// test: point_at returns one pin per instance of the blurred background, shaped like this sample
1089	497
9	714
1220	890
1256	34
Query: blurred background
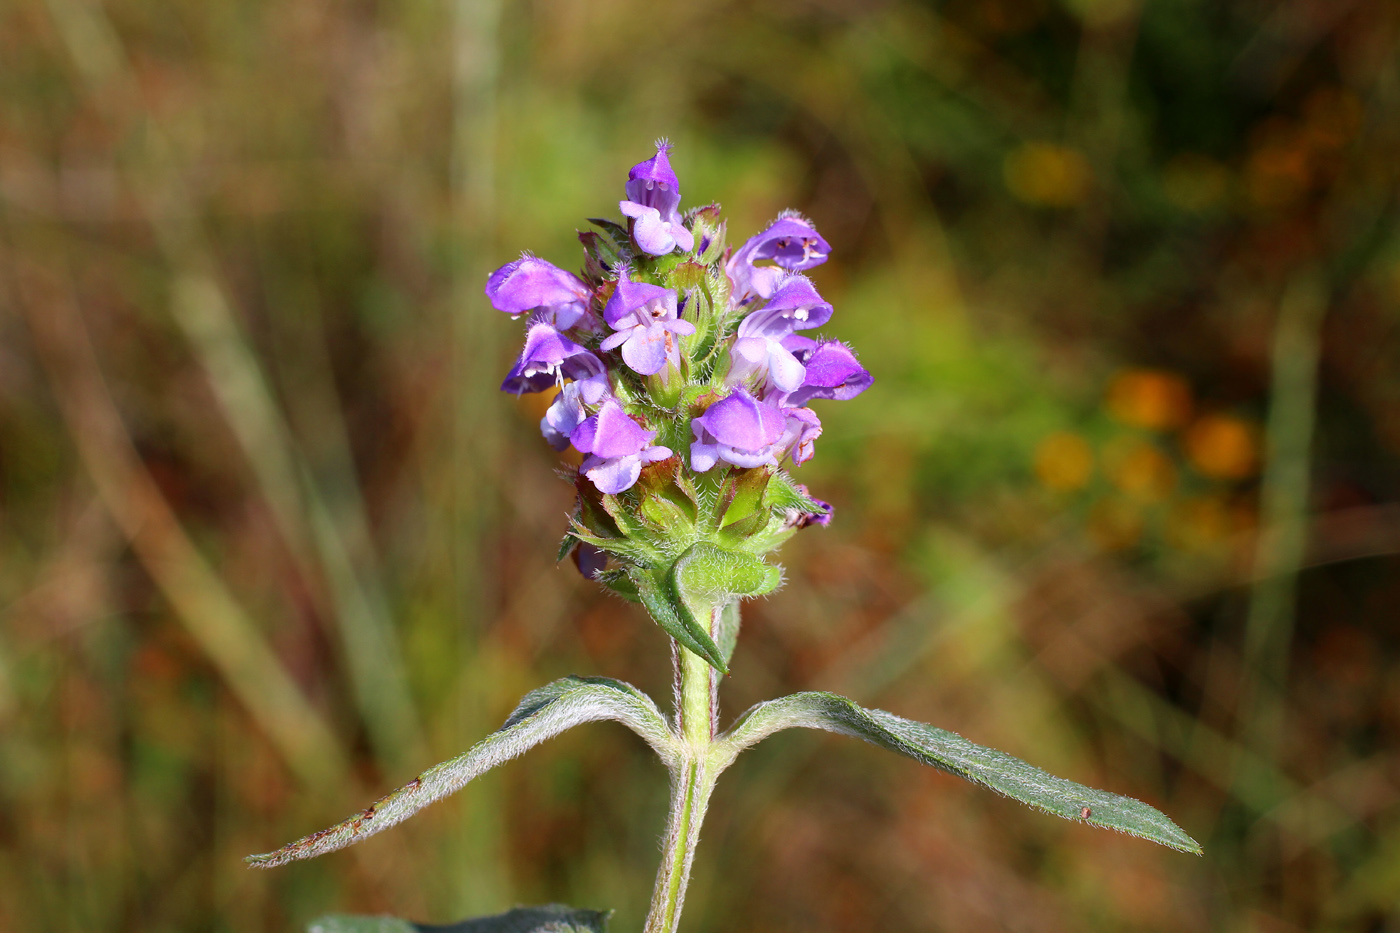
1124	499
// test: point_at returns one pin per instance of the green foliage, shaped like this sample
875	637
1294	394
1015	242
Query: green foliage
952	753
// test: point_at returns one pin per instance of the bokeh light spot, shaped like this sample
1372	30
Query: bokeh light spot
1064	461
1047	175
1140	469
1149	398
1223	447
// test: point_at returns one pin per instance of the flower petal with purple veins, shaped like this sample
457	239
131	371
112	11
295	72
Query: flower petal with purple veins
653	233
645	350
617	445
764	364
531	284
740	420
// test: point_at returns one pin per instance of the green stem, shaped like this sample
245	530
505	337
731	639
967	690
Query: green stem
691	784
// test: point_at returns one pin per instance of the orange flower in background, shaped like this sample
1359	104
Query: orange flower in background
1149	398
1223	447
1064	461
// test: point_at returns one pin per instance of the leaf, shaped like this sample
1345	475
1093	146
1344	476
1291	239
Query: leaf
666	611
706	578
549	919
634	550
783	492
615	231
542	714
953	753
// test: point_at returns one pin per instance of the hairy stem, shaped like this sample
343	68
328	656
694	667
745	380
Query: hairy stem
691	784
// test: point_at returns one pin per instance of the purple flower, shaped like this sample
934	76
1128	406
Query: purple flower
589	560
565	413
832	372
617	445
790	241
653	197
762	355
644	317
796	301
800	434
738	429
530	283
549	358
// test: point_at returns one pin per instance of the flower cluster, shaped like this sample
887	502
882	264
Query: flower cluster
685	373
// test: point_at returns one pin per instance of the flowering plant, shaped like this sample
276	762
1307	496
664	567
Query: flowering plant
684	374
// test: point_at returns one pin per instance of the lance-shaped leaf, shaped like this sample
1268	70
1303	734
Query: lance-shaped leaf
549	919
542	714
956	755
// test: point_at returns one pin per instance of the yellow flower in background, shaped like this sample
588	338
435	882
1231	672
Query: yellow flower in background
1140	469
1149	398
1064	462
1223	447
1047	175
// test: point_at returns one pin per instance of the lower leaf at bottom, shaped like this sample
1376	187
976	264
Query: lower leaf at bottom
552	918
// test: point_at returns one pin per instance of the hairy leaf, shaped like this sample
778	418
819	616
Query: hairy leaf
707	577
666	611
542	714
549	919
956	755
